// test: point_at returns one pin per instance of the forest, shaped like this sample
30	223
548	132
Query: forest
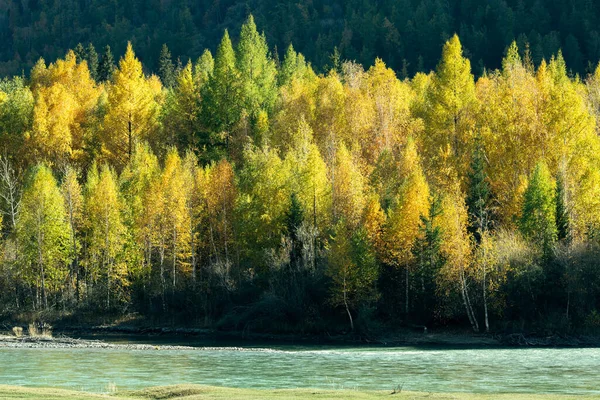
406	34
242	192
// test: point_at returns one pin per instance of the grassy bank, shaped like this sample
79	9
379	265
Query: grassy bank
197	392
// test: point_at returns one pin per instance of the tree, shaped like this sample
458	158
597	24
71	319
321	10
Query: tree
293	67
166	68
348	188
91	57
106	233
204	68
171	227
181	111
257	70
449	116
79	53
43	234
221	107
403	225
16	113
106	67
478	195
538	218
455	248
429	258
73	200
352	268
132	109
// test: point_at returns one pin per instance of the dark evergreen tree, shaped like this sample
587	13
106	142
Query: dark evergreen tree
106	66
79	53
92	59
166	69
478	195
562	210
429	260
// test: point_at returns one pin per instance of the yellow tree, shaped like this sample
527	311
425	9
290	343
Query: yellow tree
403	224
510	126
391	99
220	194
132	109
66	96
449	116
456	249
171	226
106	232
348	188
73	199
137	181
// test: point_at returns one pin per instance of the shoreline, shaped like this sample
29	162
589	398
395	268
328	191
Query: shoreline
187	391
155	338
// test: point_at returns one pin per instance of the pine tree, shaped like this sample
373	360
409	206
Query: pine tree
257	70
203	69
106	66
166	68
428	255
221	106
80	53
92	59
478	196
563	228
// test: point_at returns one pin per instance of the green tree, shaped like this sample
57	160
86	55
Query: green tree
257	70
221	106
479	193
538	216
91	57
106	67
166	68
352	268
43	234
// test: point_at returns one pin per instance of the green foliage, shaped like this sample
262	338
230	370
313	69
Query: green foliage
106	67
166	68
538	218
43	234
479	194
306	191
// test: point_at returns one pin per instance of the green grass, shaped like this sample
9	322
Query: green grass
197	392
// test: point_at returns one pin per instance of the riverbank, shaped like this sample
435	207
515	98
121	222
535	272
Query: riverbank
149	338
136	328
198	392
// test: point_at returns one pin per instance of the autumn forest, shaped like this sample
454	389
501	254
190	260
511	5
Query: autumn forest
242	190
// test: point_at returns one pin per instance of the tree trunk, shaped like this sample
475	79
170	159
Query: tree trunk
406	306
485	306
347	307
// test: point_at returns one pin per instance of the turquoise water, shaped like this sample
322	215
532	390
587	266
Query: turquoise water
574	371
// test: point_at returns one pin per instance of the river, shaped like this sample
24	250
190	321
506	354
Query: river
512	370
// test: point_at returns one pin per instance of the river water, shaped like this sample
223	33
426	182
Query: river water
569	371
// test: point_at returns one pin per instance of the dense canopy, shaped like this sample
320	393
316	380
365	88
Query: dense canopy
244	191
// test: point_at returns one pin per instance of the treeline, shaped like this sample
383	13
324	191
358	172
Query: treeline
406	34
247	193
